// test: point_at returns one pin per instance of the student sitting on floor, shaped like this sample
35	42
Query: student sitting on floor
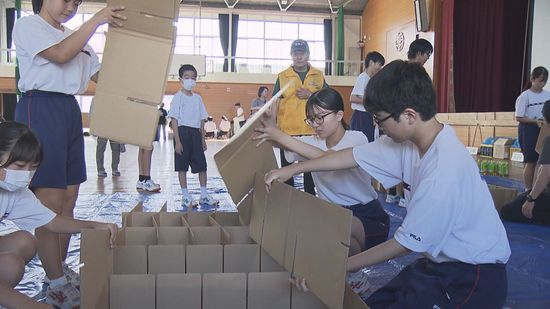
20	155
451	218
210	128
350	188
225	128
534	206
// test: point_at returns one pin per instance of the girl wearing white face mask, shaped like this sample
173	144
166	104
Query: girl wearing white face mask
20	155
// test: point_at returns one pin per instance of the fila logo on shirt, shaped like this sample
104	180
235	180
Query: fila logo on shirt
417	238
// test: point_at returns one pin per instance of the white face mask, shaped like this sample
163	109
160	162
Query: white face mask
16	179
188	84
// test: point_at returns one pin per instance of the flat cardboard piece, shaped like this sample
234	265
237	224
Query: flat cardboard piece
176	291
98	265
173	235
268	264
130	260
268	290
352	300
206	235
140	236
166	259
241	258
165	219
228	218
238	234
257	209
204	259
544	133
166	9
198	218
132	291
225	290
307	300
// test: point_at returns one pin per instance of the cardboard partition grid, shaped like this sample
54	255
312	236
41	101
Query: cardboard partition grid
241	258
174	290
227	290
268	290
132	291
204	259
166	259
137	236
228	219
173	235
130	260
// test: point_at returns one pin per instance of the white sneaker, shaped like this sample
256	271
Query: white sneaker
208	200
188	201
150	186
65	296
402	202
72	276
358	282
139	185
392	199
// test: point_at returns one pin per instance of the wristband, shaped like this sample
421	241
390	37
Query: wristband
529	198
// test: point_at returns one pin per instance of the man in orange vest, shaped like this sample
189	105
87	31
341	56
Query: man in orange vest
291	107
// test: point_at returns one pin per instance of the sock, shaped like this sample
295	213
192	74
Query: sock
184	191
141	178
58	282
146	177
203	191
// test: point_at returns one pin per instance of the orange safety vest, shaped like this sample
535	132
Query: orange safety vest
292	111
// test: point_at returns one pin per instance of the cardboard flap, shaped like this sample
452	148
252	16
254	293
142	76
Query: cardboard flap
165	219
241	258
196	218
154	26
166	259
257	209
226	291
132	291
139	219
204	259
106	120
352	300
238	234
268	290
173	235
227	218
175	290
206	235
131	76
98	266
162	8
140	236
307	300
126	219
130	260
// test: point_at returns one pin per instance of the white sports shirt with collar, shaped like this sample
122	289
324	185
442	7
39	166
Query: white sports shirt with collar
345	187
450	212
32	35
23	209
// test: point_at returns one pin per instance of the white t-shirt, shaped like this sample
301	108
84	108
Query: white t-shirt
529	104
225	125
33	35
343	187
359	89
240	115
189	111
23	209
450	212
210	127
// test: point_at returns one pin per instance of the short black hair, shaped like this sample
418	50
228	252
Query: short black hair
376	57
261	89
422	46
546	111
187	67
238	104
18	143
400	85
328	99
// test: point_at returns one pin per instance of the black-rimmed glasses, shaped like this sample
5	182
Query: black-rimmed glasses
317	119
381	120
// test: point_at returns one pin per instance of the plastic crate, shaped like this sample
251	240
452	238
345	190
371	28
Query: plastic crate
486	151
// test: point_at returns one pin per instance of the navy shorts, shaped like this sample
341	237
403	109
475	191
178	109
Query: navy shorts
56	120
193	153
362	121
425	284
528	134
376	222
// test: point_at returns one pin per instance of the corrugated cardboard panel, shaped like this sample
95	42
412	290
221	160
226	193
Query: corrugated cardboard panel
204	258
206	235
227	291
124	70
132	291
328	230
176	291
98	266
352	300
166	259
169	219
227	218
198	218
139	219
130	260
257	210
239	234
106	121
268	264
268	290
163	8
301	300
140	236
157	27
240	152
173	235
241	258
277	218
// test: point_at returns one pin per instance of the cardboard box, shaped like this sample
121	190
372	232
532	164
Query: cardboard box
544	133
284	231
129	88
501	148
502	196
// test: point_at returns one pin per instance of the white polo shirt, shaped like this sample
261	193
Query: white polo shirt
529	104
23	209
450	212
359	89
33	35
189	111
343	187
